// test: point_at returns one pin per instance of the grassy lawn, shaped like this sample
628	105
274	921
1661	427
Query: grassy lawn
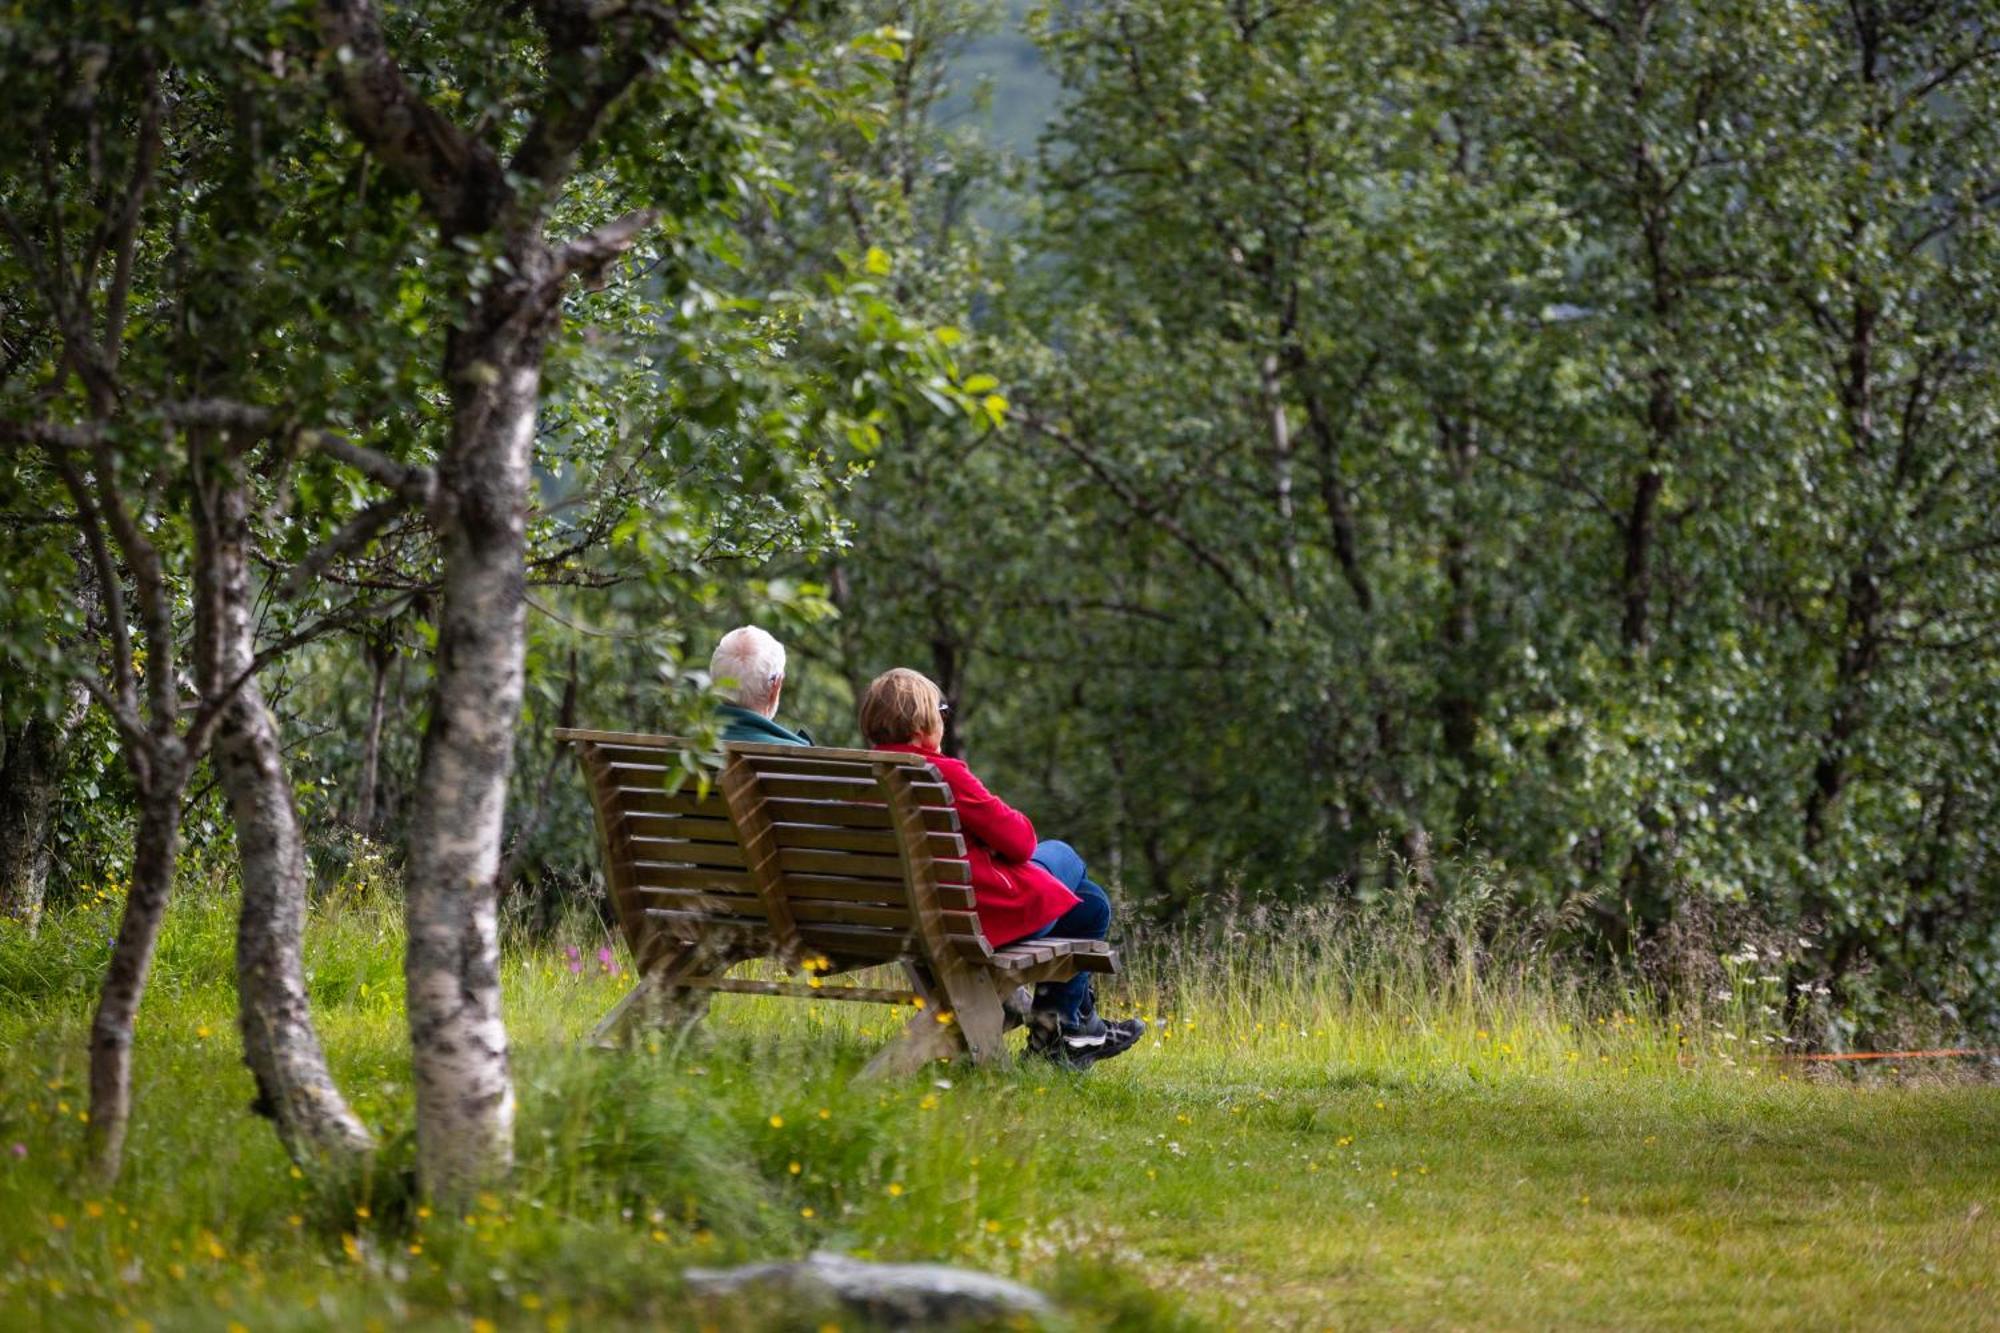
1314	1140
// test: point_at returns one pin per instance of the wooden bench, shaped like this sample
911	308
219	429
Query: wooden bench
826	860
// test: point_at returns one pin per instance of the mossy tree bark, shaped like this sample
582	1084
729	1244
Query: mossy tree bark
465	1095
30	764
280	1045
493	363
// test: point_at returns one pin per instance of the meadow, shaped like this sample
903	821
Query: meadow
1345	1123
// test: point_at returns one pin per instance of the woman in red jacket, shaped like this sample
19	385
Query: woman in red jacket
1022	887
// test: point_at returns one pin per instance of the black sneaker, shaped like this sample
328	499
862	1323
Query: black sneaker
1047	1029
1119	1038
1081	1045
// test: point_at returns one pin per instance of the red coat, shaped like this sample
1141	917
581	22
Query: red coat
1014	896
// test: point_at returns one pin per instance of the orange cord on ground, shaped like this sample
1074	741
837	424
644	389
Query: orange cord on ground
1895	1055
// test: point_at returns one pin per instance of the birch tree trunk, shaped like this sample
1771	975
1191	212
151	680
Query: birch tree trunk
31	766
380	655
465	1092
28	772
111	1028
493	363
280	1045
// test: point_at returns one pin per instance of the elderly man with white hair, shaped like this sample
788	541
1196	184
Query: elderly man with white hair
748	668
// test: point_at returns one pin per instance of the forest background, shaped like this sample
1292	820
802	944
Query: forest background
1351	441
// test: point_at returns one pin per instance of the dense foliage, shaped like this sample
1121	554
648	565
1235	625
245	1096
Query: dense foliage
1557	435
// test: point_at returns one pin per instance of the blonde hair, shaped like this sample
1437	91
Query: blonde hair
900	705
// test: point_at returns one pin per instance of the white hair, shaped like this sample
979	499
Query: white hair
747	666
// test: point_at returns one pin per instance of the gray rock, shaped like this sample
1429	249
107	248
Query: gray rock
892	1295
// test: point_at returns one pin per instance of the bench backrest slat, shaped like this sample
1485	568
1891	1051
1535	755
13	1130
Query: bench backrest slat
846	814
742	791
852	853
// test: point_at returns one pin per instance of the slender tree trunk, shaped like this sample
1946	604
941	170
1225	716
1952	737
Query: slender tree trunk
280	1045
29	769
1640	525
840	590
132	958
465	1092
1636	579
515	863
1461	695
948	663
1333	494
380	656
31	761
1273	386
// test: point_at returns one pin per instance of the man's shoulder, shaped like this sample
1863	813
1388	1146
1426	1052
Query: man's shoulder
755	728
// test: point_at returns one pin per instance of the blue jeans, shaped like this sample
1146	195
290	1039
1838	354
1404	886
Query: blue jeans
1090	919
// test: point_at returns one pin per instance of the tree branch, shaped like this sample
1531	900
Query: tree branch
458	177
127	229
356	533
211	709
415	483
124	704
149	581
585	77
590	254
1139	505
51	435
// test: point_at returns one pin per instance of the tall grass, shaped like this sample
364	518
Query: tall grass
751	1138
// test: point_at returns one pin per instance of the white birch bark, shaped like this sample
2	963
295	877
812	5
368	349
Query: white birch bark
465	1091
280	1045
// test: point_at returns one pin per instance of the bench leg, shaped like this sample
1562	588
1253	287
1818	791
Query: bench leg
1017	1003
978	1014
611	1033
659	1001
976	1024
924	1039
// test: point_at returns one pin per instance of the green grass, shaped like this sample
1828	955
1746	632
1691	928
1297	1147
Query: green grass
1337	1125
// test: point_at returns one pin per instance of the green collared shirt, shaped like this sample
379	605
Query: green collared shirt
740	724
